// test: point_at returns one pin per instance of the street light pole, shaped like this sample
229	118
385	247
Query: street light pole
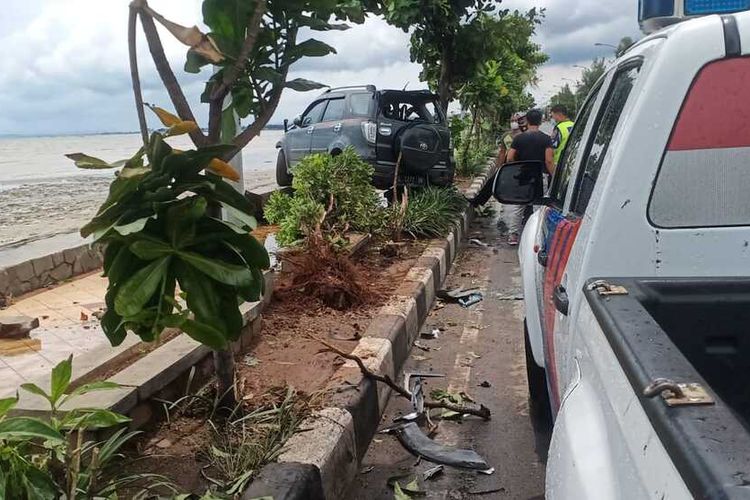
599	44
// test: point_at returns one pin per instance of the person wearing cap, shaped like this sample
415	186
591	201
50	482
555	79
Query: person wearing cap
517	126
532	145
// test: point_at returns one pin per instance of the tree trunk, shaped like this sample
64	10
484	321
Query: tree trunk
446	73
224	367
468	138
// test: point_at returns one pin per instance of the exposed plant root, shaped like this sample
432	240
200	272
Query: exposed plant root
329	276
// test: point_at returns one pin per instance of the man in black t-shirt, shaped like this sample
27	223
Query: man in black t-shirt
532	145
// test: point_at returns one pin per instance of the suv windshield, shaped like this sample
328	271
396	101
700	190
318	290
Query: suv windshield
406	107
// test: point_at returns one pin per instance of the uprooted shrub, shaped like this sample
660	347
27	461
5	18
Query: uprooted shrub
332	195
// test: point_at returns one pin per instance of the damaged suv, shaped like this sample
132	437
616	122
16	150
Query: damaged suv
381	125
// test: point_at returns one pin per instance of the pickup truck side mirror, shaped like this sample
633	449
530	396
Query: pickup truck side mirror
297	121
519	183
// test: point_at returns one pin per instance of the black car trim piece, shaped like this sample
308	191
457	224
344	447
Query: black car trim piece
732	39
708	445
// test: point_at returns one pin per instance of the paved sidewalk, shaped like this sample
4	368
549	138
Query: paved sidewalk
67	326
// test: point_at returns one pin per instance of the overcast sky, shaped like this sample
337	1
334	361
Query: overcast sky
64	68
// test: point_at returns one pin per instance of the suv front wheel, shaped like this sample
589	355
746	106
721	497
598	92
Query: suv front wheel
283	177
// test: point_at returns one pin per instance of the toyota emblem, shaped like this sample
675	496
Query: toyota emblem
423	146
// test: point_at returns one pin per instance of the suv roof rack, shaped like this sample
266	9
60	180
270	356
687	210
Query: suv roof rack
371	88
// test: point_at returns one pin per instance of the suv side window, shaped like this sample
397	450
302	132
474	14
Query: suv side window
609	117
334	111
570	156
314	114
359	105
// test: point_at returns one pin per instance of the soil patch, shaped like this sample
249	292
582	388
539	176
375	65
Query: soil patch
282	355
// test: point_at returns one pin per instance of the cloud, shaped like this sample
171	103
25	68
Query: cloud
65	63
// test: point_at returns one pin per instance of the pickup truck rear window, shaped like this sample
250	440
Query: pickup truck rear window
704	178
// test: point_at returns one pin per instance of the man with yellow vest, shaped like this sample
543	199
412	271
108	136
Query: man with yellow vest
563	127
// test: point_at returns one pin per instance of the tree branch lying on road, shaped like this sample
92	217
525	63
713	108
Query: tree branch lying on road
482	412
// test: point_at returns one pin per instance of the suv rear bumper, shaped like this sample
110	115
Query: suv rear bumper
440	175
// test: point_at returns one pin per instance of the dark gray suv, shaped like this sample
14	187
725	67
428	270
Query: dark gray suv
380	125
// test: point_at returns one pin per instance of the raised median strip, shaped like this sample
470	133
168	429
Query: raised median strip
322	461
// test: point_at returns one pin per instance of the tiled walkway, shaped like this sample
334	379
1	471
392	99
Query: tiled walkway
62	330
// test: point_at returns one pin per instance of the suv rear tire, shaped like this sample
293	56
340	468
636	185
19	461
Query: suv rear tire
539	404
283	177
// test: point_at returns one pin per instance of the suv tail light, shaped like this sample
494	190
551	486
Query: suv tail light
369	131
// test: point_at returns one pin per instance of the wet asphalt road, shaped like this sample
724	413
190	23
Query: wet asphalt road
483	343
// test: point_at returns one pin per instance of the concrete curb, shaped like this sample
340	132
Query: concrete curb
323	461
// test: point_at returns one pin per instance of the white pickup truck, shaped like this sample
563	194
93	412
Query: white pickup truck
636	274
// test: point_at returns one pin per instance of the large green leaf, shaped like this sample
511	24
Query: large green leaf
223	272
93	419
101	385
205	334
6	404
133	227
135	292
313	48
202	296
150	249
113	327
252	252
247	220
194	62
36	390
317	24
303	85
90	162
60	379
39	485
28	428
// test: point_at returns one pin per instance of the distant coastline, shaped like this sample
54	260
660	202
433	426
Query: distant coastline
274	126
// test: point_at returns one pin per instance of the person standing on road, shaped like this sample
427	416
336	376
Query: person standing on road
563	127
532	145
517	126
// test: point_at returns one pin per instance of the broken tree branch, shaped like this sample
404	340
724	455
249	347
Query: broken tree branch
482	412
179	101
135	77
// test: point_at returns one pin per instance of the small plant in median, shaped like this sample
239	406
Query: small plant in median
431	212
50	459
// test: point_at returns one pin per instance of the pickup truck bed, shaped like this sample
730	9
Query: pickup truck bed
689	331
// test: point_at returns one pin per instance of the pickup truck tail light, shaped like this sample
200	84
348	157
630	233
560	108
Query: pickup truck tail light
369	131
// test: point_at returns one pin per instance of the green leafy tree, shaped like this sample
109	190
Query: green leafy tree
625	43
566	97
252	44
589	77
436	32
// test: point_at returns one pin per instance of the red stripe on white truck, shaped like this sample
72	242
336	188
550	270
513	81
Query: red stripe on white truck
716	111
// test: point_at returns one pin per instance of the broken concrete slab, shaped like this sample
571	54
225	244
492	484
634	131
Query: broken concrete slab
17	327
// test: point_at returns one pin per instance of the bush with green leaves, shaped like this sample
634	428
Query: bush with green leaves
49	459
475	161
332	194
162	225
433	211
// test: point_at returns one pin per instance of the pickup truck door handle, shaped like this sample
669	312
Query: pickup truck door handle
310	129
337	127
560	298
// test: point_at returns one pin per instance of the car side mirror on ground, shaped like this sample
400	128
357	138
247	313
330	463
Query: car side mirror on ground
519	183
297	121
